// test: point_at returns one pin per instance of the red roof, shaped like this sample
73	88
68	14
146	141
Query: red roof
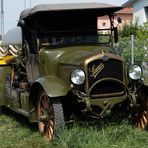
125	11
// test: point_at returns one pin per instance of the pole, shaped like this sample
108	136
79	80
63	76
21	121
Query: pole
2	18
132	49
24	4
30	3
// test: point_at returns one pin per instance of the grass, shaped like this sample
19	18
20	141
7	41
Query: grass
17	132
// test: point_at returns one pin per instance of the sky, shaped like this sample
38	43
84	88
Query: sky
12	8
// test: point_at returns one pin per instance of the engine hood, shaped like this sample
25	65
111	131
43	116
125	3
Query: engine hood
74	55
52	59
77	55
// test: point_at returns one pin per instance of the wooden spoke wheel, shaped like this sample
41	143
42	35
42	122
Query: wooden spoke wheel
141	121
50	116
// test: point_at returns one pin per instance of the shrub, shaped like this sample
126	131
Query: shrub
140	42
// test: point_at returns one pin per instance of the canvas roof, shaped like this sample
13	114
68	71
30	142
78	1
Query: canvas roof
69	7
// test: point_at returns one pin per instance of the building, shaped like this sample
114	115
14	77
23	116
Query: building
140	10
126	14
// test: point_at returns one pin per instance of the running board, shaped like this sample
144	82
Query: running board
23	112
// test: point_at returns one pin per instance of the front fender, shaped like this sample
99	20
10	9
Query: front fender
53	86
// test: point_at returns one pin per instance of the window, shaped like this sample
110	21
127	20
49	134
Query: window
103	24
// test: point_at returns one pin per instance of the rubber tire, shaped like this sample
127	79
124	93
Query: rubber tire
58	116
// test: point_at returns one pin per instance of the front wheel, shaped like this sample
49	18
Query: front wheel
50	116
140	119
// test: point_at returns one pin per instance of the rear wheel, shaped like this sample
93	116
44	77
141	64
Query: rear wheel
50	116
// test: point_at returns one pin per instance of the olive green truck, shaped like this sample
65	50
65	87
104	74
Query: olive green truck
58	64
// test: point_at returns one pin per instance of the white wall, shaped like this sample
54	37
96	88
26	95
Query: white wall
139	12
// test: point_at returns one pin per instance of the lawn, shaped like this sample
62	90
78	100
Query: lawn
17	132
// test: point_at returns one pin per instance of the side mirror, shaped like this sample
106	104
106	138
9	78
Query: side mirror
119	19
116	35
21	23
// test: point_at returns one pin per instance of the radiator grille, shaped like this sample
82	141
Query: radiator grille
99	69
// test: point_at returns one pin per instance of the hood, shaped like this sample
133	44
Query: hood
73	55
61	62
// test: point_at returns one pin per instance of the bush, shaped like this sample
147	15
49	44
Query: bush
140	42
129	30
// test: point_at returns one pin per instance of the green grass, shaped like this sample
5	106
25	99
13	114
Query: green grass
17	132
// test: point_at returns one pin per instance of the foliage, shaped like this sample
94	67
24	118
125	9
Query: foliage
128	30
140	42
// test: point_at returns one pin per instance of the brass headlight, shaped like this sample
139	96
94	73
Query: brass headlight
78	77
135	72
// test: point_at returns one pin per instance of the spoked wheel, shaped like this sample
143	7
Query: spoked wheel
140	119
143	120
50	116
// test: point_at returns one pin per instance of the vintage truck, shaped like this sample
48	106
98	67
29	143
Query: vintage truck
58	64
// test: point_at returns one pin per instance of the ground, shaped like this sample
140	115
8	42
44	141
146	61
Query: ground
16	132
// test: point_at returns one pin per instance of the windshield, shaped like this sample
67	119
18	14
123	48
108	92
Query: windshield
74	38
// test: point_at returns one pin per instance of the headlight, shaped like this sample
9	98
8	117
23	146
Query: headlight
78	77
135	72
